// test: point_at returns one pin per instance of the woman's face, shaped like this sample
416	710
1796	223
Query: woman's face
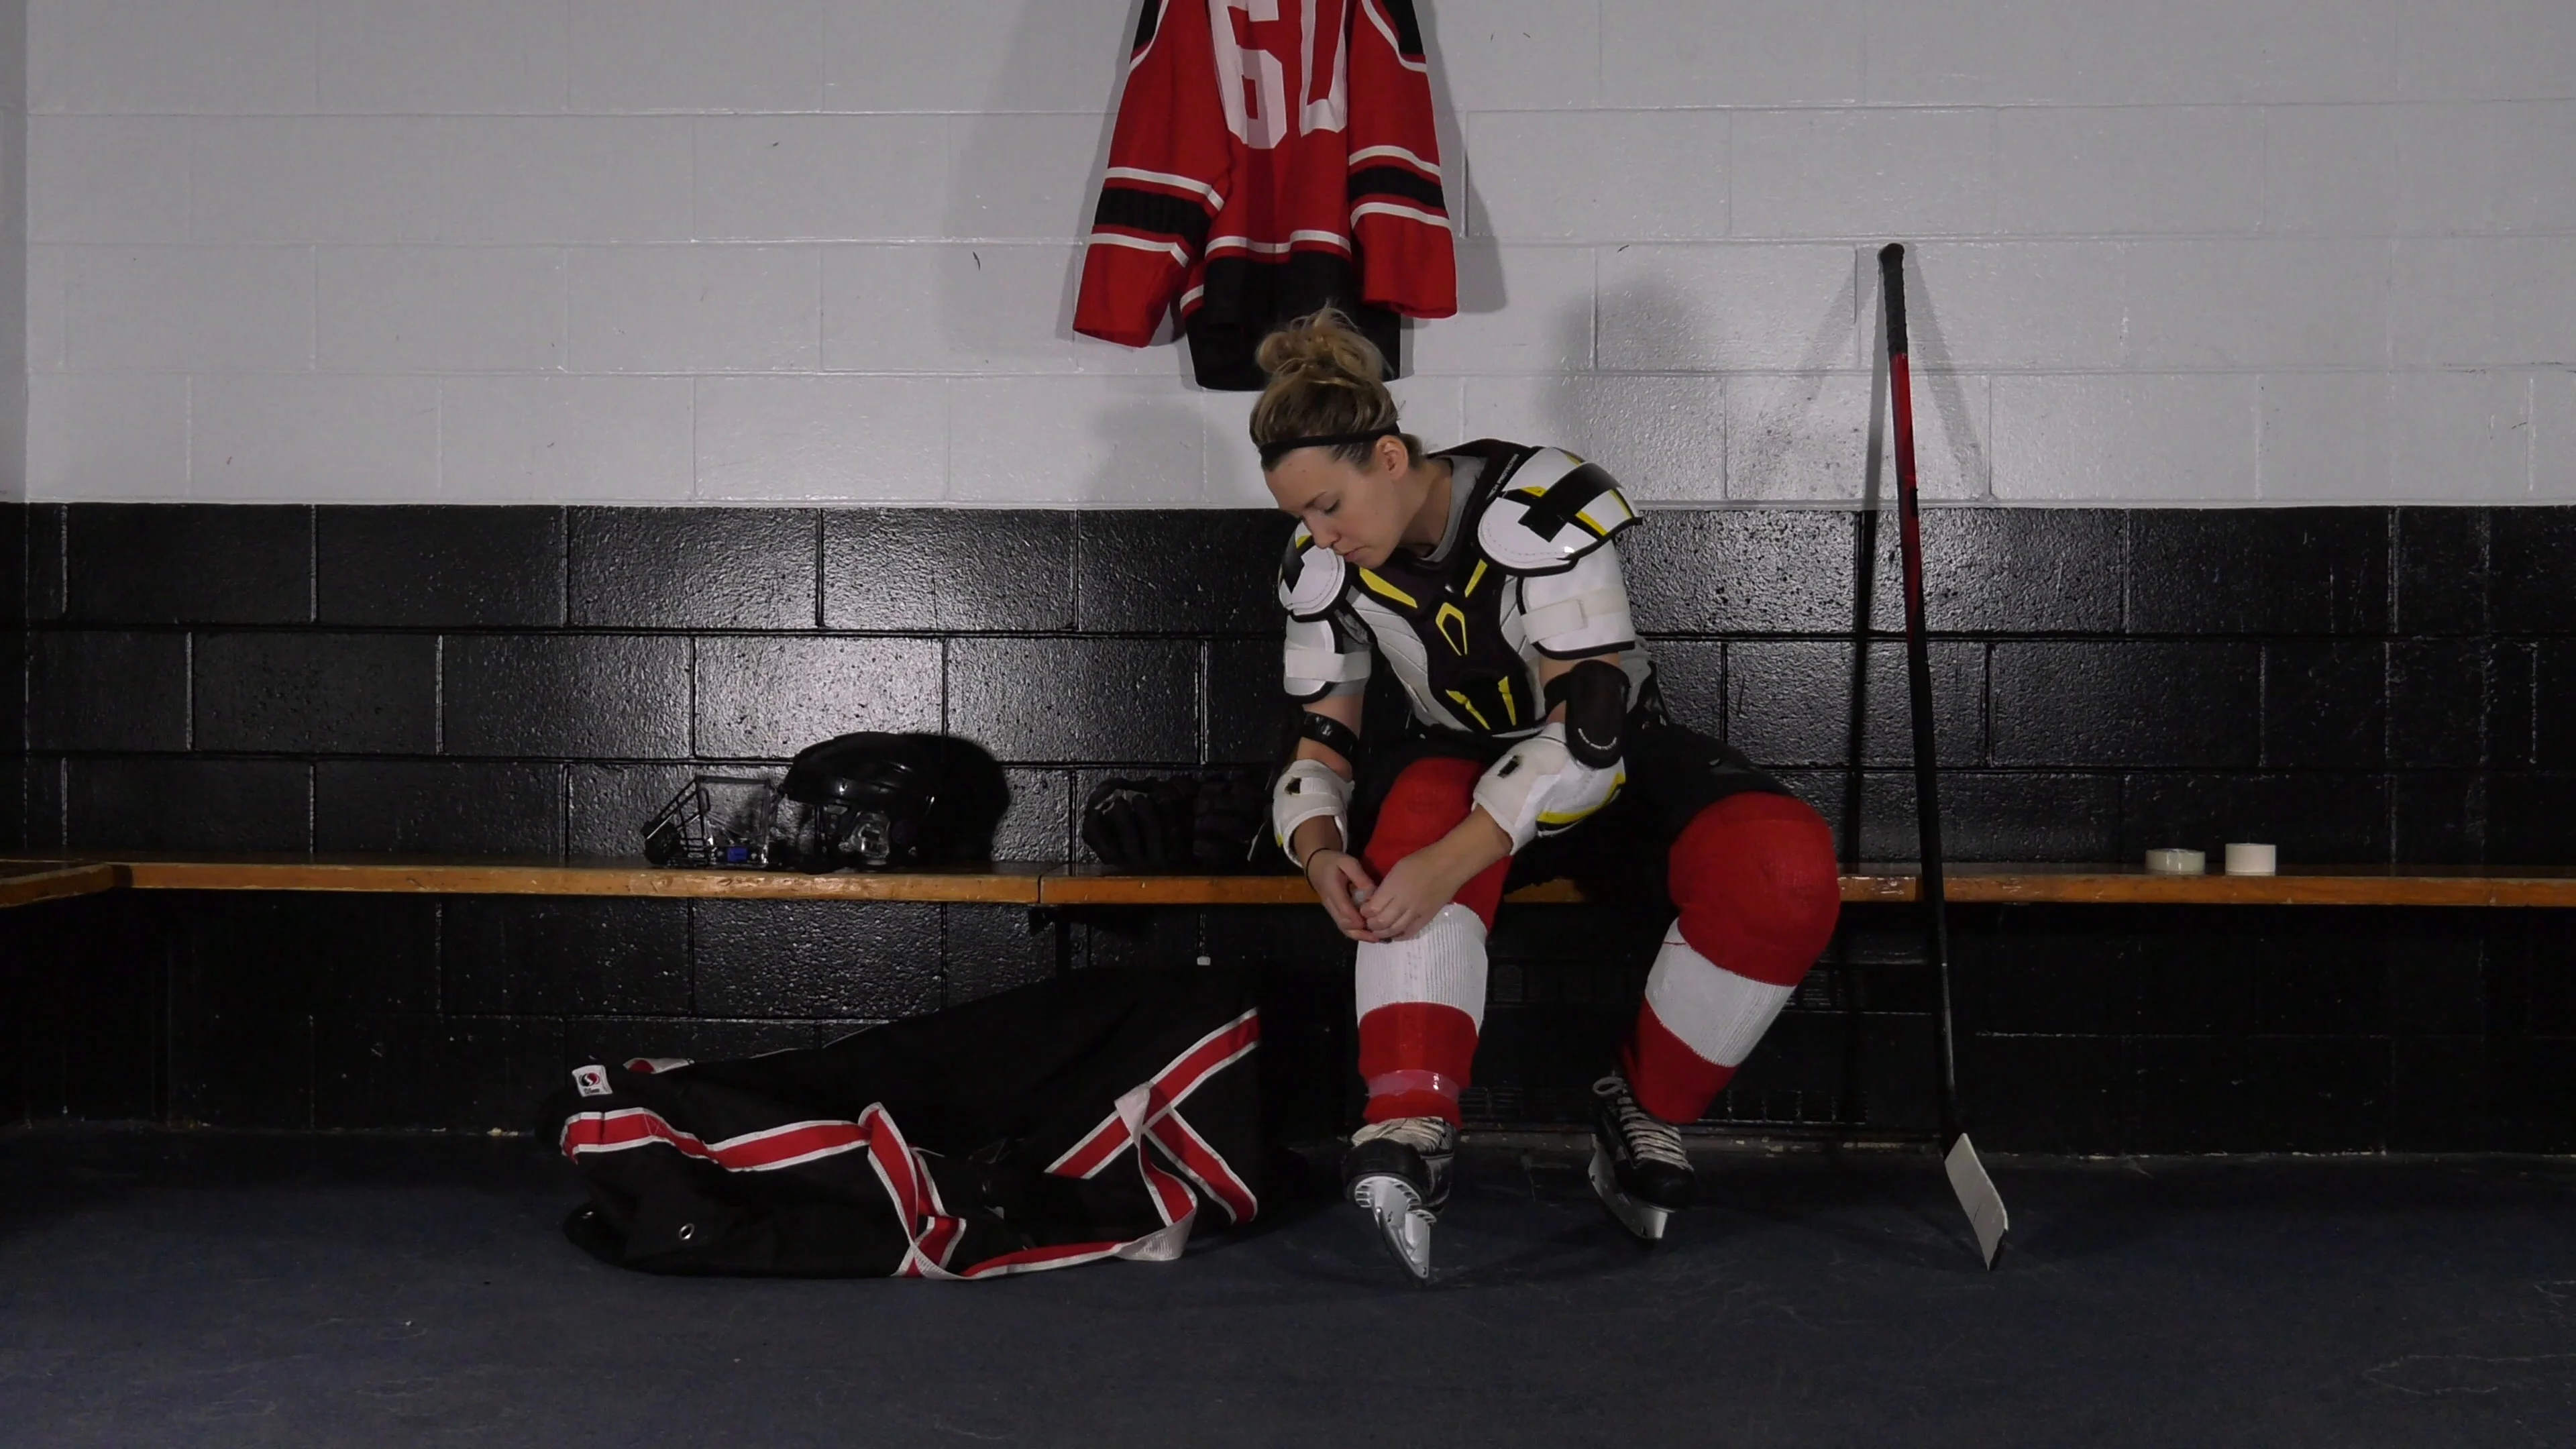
1357	511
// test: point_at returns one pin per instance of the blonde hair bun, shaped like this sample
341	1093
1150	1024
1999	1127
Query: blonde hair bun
1326	380
1323	348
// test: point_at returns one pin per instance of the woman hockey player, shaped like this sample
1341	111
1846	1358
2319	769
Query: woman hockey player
1537	748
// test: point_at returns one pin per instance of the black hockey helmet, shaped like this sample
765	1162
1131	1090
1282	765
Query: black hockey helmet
877	801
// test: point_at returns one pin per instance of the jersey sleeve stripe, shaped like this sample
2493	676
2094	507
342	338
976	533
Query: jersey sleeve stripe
1408	45
1389	208
1400	184
1396	153
1170	249
1165	178
1147	23
1310	240
1152	214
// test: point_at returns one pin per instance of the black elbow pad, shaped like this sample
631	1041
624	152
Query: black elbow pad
1595	696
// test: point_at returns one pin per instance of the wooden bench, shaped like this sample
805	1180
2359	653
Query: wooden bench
1043	885
24	883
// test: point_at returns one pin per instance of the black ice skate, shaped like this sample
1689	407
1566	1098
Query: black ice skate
1398	1172
1638	1166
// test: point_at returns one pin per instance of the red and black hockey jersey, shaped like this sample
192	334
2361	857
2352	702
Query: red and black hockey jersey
1271	156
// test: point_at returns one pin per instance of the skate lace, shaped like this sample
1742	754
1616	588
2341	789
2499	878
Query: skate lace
1649	1138
1422	1134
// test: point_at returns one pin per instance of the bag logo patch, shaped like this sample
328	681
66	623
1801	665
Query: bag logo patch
591	1081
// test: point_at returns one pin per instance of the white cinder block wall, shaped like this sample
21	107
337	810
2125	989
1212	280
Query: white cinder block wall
2198	251
13	246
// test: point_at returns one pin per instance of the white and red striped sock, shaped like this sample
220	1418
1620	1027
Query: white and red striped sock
1421	1005
1699	1022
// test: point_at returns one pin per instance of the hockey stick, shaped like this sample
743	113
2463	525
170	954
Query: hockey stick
1968	1179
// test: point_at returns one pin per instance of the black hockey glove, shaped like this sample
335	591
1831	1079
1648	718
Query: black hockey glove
1232	816
1140	824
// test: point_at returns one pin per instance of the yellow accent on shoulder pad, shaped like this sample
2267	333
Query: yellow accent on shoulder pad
1472	712
1448	615
1380	586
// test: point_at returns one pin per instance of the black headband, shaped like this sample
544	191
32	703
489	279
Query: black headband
1271	453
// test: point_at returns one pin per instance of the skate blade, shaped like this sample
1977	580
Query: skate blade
1403	1223
1644	1221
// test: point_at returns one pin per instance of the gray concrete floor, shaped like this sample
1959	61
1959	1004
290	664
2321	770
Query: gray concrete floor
198	1288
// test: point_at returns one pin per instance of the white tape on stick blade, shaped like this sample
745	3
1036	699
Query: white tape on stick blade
1976	1193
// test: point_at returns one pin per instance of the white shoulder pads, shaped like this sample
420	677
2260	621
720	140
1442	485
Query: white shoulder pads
1311	579
1554	509
1580	611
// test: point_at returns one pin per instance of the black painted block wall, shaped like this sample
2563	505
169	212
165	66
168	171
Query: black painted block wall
2358	685
13	664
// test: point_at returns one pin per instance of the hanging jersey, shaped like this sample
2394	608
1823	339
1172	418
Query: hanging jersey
1525	575
1270	157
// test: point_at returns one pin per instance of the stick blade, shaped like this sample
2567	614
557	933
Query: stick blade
1977	1195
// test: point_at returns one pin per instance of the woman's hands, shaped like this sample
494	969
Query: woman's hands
1373	910
1343	884
1367	909
1410	896
1430	878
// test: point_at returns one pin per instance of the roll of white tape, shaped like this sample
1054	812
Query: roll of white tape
2252	860
2176	862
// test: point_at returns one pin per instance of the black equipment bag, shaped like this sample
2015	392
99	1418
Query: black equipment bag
1096	1115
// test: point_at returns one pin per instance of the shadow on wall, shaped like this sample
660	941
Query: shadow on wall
1131	437
1175	362
1480	283
1690	437
1796	436
1795	433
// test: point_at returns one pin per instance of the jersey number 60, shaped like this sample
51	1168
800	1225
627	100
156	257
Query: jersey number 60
1253	53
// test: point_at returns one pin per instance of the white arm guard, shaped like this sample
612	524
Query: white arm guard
1307	789
1538	788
